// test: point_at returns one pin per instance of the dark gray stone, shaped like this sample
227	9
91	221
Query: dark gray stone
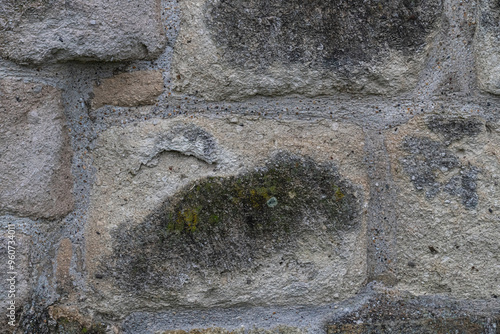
321	33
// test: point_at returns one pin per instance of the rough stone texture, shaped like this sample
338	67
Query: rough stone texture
41	31
403	313
129	89
455	326
35	153
59	320
231	50
353	187
277	330
446	171
487	46
257	252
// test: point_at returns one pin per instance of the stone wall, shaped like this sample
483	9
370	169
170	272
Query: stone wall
216	166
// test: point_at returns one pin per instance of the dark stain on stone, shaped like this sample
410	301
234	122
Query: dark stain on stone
232	223
428	158
453	129
464	186
489	15
328	33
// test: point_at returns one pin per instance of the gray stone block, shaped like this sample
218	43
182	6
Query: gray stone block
35	152
232	50
41	31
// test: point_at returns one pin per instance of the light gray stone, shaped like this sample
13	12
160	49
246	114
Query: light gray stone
446	170
35	152
311	262
37	31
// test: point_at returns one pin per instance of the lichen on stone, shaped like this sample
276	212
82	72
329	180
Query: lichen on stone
230	223
427	159
454	129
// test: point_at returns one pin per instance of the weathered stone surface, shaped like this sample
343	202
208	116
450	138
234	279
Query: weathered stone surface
216	221
63	320
129	89
455	326
36	31
487	46
406	314
277	330
35	153
446	174
232	50
19	289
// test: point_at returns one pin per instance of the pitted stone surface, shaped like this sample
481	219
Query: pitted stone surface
35	153
41	31
447	206
305	199
232	50
318	259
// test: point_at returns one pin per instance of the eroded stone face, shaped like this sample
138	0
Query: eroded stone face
215	227
41	31
231	50
35	153
446	173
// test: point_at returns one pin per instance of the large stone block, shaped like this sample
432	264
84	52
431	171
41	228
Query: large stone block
446	170
36	31
200	213
35	152
232	50
487	46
